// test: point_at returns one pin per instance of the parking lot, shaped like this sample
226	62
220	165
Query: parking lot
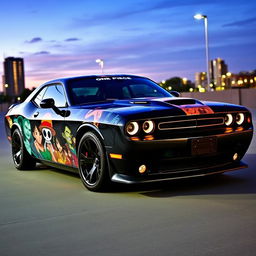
49	212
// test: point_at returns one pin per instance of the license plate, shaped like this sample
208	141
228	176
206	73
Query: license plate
204	146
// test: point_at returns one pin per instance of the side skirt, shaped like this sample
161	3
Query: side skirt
60	166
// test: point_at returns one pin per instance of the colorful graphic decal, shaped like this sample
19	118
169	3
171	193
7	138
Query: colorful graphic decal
26	131
196	109
96	114
70	145
100	116
10	122
47	141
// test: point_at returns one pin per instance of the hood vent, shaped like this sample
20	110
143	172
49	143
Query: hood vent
141	102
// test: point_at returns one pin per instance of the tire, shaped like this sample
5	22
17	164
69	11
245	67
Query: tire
92	163
21	158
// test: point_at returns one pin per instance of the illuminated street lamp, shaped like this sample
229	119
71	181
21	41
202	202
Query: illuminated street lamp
101	64
184	80
199	17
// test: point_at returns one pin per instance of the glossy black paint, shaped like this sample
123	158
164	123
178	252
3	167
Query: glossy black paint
167	153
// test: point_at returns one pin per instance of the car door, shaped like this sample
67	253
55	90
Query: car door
47	125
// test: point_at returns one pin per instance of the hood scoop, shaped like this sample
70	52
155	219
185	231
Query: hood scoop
180	102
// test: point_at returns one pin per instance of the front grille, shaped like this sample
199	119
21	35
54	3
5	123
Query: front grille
191	123
191	164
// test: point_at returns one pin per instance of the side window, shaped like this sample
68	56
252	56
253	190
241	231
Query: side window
40	96
126	93
57	93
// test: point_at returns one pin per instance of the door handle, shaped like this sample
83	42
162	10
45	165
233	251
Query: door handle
36	114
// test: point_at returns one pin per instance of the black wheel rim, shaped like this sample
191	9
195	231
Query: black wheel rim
16	148
90	162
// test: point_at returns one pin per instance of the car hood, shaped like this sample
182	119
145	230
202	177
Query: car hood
156	107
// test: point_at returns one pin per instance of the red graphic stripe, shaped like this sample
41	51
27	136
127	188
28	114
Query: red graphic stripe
196	109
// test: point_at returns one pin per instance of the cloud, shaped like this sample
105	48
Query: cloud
42	53
34	40
72	39
134	56
102	18
241	23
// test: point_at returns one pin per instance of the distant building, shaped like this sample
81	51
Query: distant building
13	79
218	74
221	79
201	80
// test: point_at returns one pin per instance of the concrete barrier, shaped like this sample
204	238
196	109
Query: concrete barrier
4	107
245	97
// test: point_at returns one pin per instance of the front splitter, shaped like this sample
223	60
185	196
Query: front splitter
122	178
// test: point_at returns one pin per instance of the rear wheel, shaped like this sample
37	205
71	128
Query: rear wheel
92	163
21	158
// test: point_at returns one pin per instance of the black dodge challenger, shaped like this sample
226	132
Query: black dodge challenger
127	129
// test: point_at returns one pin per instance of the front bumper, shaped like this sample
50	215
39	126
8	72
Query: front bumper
175	158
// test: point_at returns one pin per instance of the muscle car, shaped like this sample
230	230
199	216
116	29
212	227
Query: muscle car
126	129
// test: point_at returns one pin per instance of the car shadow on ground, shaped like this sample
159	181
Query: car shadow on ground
236	182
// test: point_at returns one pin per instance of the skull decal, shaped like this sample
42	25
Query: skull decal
48	132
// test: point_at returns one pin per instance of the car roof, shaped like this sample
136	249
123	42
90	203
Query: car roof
66	79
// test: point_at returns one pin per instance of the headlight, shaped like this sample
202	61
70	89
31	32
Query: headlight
148	126
132	128
228	119
239	118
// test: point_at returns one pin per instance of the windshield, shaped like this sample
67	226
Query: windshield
95	89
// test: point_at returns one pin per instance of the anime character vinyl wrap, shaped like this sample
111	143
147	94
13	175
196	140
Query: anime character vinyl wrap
48	140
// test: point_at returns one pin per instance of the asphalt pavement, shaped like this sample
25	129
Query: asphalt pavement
49	212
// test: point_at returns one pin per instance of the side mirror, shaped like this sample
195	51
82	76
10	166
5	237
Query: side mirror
50	103
47	103
175	94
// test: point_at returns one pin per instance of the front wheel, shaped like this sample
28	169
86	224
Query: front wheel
21	158
92	163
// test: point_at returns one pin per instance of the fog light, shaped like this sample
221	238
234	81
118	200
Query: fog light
142	169
235	156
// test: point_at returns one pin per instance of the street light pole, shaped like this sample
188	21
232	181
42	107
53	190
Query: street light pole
199	17
207	51
101	64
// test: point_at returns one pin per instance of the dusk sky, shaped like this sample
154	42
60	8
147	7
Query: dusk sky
157	38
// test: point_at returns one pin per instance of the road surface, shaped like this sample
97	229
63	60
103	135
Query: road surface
49	212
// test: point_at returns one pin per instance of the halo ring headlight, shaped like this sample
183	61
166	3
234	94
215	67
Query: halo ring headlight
132	128
228	119
240	118
148	127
